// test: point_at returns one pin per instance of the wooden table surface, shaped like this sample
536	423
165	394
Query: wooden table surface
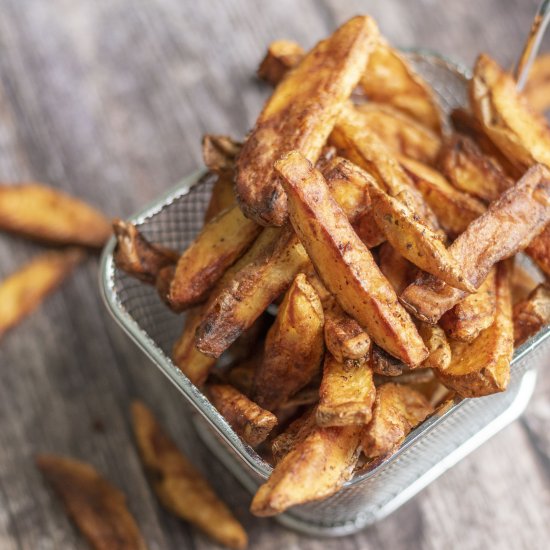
108	100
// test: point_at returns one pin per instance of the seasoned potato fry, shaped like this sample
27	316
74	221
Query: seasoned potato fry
97	508
474	313
469	170
395	267
344	263
248	419
438	346
402	134
414	377
281	56
219	153
49	215
532	314
454	210
23	291
180	487
222	197
293	348
509	224
384	364
390	79
397	410
308	99
135	255
315	468
537	89
346	393
368	231
295	432
241	376
482	367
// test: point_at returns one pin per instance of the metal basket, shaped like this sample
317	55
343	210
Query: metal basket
174	220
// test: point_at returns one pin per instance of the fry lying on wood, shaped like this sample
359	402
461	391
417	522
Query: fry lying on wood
531	314
510	223
180	487
45	214
248	419
23	291
482	367
97	508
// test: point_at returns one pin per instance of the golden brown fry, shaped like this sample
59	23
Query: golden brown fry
135	255
438	346
241	376
180	487
398	409
45	214
315	468
222	241
509	224
384	364
222	197
537	89
531	314
395	267
474	313
346	393
401	133
539	250
454	210
219	153
295	432
281	56
390	79
248	419
300	115
97	508
23	291
368	231
414	377
469	170
293	347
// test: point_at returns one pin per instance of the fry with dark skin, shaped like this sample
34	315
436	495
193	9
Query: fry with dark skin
96	507
23	291
180	487
295	432
384	364
248	419
48	215
482	367
539	250
293	347
300	115
531	314
344	263
510	223
281	57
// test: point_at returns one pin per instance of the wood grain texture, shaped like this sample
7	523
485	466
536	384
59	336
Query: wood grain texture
108	100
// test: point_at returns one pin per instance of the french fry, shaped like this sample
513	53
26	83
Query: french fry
412	377
384	364
474	313
248	419
180	487
368	231
309	99
537	89
454	210
315	468
438	346
509	224
23	291
293	348
39	212
394	267
346	393
482	367
531	314
539	250
397	410
281	56
97	508
295	432
220	153
241	376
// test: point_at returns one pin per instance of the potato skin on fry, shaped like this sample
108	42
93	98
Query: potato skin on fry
180	487
343	262
531	314
281	56
300	115
23	291
97	508
248	419
539	250
294	433
49	215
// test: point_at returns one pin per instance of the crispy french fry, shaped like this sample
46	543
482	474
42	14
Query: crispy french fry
384	364
397	410
412	377
45	214
23	291
293	347
295	432
469	170
219	153
180	487
368	231
454	210
97	508
315	468
509	224
344	263
220	243
248	419
346	393
474	313
241	376
438	346
539	250
309	99
281	56
222	198
537	89
531	314
482	367
395	267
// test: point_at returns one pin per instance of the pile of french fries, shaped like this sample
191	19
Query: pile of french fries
387	241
